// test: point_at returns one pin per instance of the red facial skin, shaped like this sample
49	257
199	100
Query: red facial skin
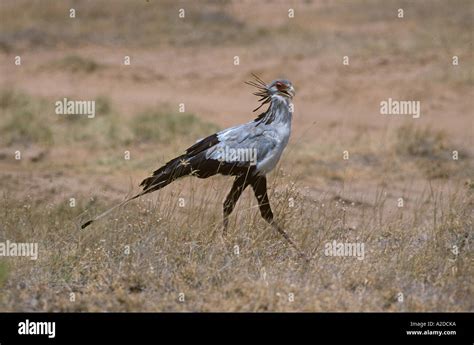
280	86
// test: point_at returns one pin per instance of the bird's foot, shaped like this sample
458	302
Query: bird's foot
222	235
223	239
301	254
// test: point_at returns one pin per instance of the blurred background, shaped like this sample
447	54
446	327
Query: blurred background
190	61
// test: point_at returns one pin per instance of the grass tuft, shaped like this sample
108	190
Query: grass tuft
24	122
159	126
424	143
77	64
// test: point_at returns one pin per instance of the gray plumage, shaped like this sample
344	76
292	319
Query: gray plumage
268	140
228	151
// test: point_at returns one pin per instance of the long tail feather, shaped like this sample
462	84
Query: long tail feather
160	179
103	214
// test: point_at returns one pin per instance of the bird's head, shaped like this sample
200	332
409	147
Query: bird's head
282	87
279	87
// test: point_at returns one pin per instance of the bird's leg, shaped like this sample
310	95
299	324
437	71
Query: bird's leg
259	186
238	187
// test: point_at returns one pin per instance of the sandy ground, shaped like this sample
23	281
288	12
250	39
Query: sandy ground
337	106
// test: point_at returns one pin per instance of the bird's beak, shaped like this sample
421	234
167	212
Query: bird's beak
292	91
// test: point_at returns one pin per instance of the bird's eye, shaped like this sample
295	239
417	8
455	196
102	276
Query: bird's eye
279	85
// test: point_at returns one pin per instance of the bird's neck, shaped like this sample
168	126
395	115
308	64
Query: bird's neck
280	110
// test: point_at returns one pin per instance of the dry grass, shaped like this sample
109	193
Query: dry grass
75	64
317	195
177	250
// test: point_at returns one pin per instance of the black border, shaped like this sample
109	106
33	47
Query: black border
237	328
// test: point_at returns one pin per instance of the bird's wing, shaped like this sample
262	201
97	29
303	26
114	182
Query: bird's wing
248	137
196	155
203	144
209	156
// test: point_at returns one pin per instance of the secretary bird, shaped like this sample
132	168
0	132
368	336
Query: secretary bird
266	136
